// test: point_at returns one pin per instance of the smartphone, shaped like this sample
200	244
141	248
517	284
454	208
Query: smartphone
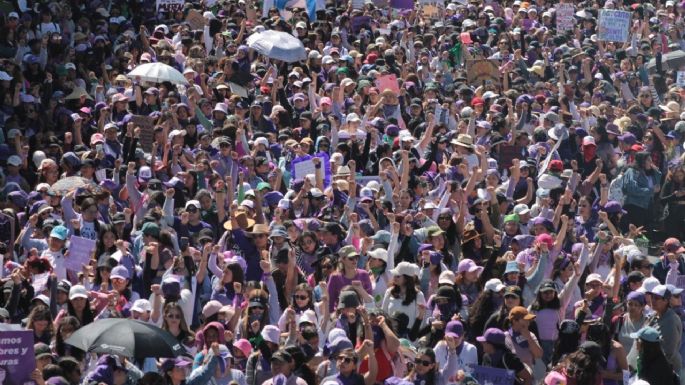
98	147
183	244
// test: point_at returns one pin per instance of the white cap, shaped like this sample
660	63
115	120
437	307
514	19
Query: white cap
380	253
494	285
14	160
521	209
284	204
141	306
194	203
594	277
648	285
406	268
78	291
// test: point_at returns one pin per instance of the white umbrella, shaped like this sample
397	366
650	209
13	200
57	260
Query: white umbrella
157	73
278	45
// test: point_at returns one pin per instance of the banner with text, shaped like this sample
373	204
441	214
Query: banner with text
17	359
614	25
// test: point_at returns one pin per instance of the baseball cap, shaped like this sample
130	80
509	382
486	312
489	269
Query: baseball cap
647	333
518	312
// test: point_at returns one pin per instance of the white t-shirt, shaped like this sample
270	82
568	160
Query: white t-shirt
466	360
392	305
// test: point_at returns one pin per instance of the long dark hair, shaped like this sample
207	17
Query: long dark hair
581	366
410	293
650	353
640	160
538	304
482	308
88	315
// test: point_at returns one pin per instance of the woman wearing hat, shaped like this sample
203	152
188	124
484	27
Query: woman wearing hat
550	309
404	294
496	354
652	365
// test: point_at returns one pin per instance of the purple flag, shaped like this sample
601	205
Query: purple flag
402	4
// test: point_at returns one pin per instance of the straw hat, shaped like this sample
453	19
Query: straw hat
243	221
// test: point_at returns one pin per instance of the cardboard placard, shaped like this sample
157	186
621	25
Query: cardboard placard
388	82
170	5
614	25
482	70
565	16
147	133
430	10
17	360
196	20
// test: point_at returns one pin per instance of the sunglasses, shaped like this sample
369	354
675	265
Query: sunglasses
302	297
422	362
326	267
173	316
346	360
191	210
352	257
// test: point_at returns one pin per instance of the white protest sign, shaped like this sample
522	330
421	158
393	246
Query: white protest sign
614	25
304	168
545	164
565	16
237	89
170	5
80	251
680	80
40	282
101	174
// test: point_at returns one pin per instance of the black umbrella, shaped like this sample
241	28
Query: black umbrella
130	338
670	61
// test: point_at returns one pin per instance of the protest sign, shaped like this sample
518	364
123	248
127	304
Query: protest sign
147	130
357	4
493	376
680	79
40	282
430	10
388	82
565	16
481	71
195	19
170	5
304	168
17	358
359	22
402	4
80	251
614	25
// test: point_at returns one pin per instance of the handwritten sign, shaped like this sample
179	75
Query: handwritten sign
482	70
614	25
388	82
195	19
565	16
40	282
170	5
18	360
493	376
304	168
80	251
147	130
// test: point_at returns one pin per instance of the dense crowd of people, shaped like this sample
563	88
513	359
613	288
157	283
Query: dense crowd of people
383	211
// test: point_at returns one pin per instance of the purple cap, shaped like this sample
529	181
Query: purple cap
425	246
613	129
392	130
637	297
613	207
170	363
454	329
492	335
628	138
108	184
436	257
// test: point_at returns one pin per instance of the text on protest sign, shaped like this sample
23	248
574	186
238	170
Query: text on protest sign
614	25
